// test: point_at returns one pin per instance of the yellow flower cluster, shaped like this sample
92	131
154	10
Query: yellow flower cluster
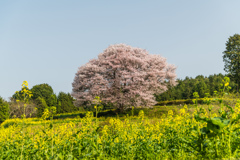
82	135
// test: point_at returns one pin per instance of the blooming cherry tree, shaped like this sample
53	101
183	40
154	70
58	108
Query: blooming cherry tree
124	76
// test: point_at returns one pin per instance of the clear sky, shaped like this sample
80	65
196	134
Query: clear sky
46	41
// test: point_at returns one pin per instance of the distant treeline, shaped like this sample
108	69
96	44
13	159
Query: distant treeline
43	97
201	84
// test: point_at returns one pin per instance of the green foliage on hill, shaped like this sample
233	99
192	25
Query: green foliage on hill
65	103
43	97
41	105
200	84
4	110
231	58
44	91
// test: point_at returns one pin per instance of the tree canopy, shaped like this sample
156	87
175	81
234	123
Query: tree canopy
65	103
201	84
124	76
231	58
44	91
4	110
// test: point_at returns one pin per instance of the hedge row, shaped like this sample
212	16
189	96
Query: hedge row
190	101
106	113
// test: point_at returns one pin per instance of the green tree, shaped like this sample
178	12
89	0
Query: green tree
185	88
4	110
189	83
231	58
44	91
65	103
202	88
41	106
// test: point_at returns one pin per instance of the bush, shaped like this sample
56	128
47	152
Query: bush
44	91
4	110
41	106
65	103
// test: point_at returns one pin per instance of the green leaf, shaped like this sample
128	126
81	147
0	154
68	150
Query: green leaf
217	123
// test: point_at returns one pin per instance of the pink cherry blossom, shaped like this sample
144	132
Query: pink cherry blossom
124	76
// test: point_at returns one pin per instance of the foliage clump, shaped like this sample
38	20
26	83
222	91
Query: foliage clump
202	84
231	58
65	103
4	110
44	91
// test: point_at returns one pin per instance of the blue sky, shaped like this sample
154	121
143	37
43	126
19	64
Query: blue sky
46	41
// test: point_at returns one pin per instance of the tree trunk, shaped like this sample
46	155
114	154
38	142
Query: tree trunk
120	108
